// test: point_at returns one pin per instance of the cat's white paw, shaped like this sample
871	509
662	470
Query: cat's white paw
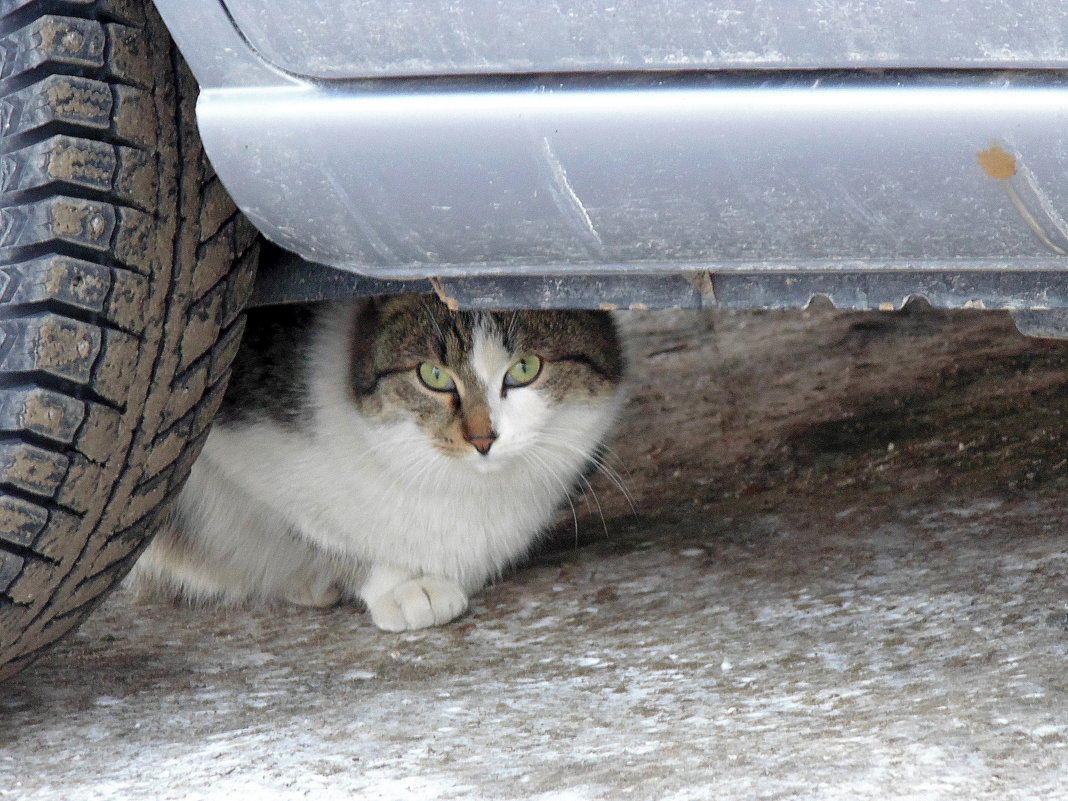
418	603
316	590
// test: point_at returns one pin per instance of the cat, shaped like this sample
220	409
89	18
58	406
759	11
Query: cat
388	451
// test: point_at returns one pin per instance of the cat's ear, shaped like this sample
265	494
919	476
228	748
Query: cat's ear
362	372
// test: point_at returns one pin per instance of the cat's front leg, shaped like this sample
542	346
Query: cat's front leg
400	601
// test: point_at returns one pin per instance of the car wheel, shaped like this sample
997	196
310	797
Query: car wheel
124	268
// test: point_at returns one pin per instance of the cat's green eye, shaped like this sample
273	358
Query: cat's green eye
523	371
436	377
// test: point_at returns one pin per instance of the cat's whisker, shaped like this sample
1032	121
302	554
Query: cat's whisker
414	478
569	433
548	470
618	482
383	450
600	512
616	458
589	495
434	472
512	323
602	467
434	322
614	477
553	456
601	450
413	472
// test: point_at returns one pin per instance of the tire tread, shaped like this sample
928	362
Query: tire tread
125	271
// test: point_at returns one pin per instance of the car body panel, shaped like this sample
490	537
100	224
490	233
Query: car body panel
691	171
335	39
710	172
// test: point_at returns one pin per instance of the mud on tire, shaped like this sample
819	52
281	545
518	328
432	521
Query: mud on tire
124	268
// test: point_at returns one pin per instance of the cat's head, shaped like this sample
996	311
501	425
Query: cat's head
487	388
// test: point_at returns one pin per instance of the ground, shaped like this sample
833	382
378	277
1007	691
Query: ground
844	577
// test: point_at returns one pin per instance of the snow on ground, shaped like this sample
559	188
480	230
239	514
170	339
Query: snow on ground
796	611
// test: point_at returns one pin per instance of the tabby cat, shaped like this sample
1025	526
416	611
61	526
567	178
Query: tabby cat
389	451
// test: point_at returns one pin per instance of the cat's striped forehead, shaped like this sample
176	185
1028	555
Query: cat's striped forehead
400	332
454	337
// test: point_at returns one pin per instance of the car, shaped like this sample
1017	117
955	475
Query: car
164	167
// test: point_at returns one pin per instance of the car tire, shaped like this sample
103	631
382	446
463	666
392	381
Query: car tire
124	269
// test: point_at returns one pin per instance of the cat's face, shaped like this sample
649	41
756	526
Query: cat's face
487	388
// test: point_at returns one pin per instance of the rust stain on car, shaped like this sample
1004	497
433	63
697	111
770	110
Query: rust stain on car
996	163
1039	213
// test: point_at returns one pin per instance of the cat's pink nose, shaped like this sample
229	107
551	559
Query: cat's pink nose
482	444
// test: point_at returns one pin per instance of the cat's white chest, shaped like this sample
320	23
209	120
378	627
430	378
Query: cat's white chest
343	495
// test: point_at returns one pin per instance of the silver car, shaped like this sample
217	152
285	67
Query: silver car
162	171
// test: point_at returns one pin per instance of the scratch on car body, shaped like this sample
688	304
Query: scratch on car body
567	200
